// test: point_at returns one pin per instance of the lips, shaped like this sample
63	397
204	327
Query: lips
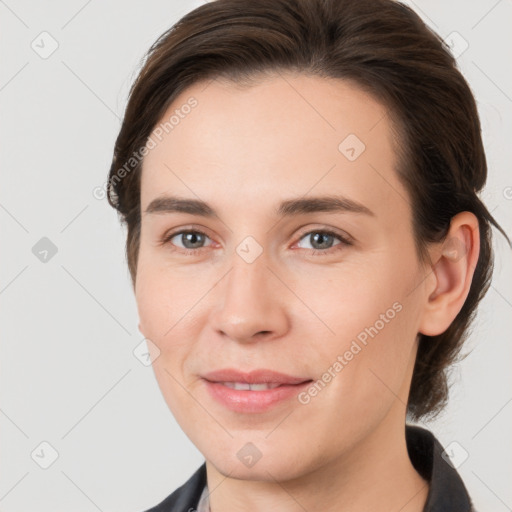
253	392
260	376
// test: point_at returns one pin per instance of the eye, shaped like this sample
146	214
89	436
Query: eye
192	240
323	240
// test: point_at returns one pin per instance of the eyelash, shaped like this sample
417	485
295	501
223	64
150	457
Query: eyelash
313	252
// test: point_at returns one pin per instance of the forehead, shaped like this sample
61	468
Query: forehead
286	136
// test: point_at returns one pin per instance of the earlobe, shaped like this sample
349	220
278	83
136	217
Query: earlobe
452	274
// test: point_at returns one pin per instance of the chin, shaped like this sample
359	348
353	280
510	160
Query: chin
273	463
259	472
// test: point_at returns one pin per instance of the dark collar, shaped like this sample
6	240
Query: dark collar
447	492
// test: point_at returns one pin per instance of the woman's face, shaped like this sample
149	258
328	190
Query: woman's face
269	277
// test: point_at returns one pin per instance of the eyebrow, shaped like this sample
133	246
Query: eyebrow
290	207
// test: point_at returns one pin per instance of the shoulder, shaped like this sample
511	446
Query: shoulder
185	497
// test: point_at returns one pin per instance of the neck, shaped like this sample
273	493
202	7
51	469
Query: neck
375	474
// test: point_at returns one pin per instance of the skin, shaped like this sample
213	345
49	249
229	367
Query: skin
243	150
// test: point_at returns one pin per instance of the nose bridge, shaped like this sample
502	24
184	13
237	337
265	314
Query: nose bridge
249	272
247	305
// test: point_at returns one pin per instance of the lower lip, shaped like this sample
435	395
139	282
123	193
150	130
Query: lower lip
253	401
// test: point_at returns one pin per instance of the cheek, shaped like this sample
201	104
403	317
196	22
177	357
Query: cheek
371	337
163	297
169	307
162	308
360	377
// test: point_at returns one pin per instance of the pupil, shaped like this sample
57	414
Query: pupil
316	236
193	237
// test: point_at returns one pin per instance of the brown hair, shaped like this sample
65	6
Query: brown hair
385	48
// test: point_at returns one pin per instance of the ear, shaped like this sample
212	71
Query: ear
450	278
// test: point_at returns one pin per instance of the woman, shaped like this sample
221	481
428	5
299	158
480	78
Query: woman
307	248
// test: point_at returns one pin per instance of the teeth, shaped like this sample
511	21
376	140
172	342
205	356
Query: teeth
250	387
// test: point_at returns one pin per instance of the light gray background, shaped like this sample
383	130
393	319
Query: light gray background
68	374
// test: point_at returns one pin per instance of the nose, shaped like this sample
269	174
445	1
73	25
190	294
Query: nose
251	303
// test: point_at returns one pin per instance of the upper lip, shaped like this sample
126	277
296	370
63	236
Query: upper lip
253	377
